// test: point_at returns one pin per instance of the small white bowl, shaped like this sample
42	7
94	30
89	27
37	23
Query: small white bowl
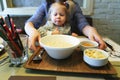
95	57
86	44
59	46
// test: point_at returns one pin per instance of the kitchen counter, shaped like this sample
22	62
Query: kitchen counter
6	71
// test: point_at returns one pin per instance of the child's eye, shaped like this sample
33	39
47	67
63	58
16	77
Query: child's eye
62	15
55	14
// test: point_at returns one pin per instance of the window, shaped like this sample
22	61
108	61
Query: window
28	7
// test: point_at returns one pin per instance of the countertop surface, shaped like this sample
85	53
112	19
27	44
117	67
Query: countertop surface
6	70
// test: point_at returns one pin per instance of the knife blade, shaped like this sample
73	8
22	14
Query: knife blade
110	46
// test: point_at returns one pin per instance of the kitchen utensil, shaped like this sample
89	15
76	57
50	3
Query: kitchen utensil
113	52
39	56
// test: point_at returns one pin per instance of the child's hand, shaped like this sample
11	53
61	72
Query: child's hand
74	34
56	31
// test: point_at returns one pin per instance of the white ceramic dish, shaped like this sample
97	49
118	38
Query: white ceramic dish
95	59
59	46
86	44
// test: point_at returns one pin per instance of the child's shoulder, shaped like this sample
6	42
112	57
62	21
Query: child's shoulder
49	22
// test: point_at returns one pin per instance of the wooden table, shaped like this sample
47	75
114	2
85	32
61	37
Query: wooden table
6	71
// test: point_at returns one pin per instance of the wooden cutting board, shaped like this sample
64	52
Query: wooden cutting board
73	64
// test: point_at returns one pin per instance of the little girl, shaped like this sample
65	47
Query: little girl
58	20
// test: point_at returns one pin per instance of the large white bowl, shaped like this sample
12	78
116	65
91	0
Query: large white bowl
98	60
59	46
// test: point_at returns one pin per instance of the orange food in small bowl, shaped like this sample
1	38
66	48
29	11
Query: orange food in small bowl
88	44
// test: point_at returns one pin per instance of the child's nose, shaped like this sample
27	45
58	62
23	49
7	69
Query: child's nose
58	16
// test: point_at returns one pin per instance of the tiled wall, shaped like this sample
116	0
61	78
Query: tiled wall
106	18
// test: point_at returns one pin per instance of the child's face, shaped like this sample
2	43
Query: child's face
58	16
